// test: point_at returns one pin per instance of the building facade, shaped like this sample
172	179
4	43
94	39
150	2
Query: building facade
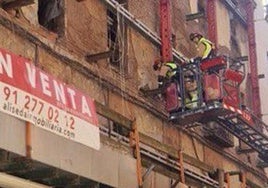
106	49
262	46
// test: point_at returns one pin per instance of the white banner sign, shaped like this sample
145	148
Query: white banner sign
28	93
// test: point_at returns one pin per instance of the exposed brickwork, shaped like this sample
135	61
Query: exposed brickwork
86	32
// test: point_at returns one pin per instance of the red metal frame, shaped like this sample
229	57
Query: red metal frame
233	76
218	62
165	30
212	87
172	102
249	6
212	21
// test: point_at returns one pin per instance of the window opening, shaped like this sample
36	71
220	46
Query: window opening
50	15
116	38
113	42
200	6
235	50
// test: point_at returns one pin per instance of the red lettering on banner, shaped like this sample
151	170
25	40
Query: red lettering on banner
26	76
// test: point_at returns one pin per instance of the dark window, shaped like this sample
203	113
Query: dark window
116	32
235	49
113	41
50	15
200	6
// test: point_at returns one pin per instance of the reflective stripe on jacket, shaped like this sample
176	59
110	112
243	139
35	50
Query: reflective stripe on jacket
208	47
172	69
192	101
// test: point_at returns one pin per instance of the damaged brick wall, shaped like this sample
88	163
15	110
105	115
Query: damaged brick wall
86	33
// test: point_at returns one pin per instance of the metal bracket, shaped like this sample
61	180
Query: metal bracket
242	151
148	171
174	184
194	16
151	92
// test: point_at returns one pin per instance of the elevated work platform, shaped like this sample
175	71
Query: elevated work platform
209	92
203	114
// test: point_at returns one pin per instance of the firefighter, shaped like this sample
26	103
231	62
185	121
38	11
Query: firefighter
168	71
205	48
191	92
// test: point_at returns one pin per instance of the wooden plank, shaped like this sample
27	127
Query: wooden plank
151	92
112	115
98	56
17	4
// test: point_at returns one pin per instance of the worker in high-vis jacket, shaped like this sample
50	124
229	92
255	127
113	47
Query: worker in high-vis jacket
204	47
168	71
191	92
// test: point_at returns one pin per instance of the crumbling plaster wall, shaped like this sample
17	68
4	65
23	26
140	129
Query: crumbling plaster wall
242	39
86	24
223	32
22	47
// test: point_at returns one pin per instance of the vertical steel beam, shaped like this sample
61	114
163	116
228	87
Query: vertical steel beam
182	175
256	107
212	21
243	180
165	30
221	178
135	144
227	180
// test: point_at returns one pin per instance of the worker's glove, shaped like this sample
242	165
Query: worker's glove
191	60
161	80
